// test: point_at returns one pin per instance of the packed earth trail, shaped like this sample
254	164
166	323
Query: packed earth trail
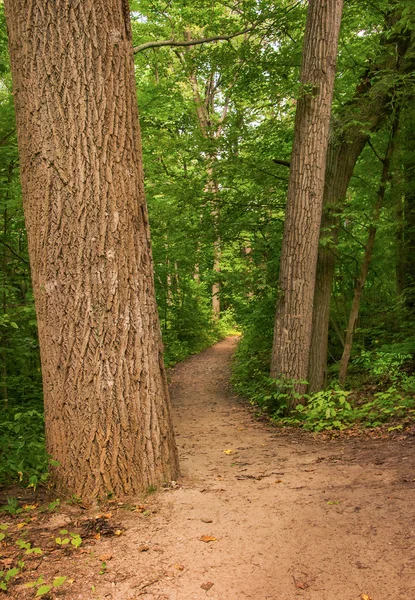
259	513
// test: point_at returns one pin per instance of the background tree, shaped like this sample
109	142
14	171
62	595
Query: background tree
293	321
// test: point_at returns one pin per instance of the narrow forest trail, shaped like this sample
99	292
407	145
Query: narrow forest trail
293	517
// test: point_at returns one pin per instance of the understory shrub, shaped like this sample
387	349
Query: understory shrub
23	456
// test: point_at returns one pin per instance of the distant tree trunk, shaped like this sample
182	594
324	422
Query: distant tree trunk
364	270
216	285
410	242
400	244
106	398
408	260
293	321
341	159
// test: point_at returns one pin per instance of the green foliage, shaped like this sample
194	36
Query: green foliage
6	576
44	588
335	409
70	538
22	447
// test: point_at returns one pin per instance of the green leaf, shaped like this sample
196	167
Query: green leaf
2	536
12	573
44	589
34	551
58	581
76	540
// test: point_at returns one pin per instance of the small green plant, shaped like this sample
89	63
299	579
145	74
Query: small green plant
54	505
73	538
103	568
6	576
27	547
12	507
44	588
328	409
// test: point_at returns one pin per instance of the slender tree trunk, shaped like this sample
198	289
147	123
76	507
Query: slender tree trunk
216	285
400	244
372	106
293	321
364	270
106	399
342	156
408	260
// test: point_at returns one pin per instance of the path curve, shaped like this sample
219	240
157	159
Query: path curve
292	517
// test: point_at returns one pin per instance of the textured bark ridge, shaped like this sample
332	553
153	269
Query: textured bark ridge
106	400
292	334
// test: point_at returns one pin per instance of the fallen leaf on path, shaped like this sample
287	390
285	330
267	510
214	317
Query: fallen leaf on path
365	597
206	586
104	516
206	520
207	538
179	567
105	557
143	548
301	585
229	451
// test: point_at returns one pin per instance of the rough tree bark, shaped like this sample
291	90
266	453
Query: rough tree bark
367	258
293	321
106	399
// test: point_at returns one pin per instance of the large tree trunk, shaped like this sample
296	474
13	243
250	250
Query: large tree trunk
293	321
367	258
105	392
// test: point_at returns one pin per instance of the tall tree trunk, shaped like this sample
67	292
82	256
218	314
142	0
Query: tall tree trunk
400	269
293	321
342	156
409	211
372	106
364	270
106	399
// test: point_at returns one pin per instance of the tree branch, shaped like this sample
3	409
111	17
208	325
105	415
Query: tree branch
284	163
160	43
15	253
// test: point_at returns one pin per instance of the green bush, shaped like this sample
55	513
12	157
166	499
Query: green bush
23	456
335	409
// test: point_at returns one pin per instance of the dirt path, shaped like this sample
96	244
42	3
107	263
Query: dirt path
293	517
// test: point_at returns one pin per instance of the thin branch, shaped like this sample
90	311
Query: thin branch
14	253
161	43
375	152
5	138
284	163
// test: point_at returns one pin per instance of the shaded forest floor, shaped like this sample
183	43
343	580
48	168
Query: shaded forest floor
258	513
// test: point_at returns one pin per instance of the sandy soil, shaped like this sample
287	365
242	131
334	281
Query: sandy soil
257	514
